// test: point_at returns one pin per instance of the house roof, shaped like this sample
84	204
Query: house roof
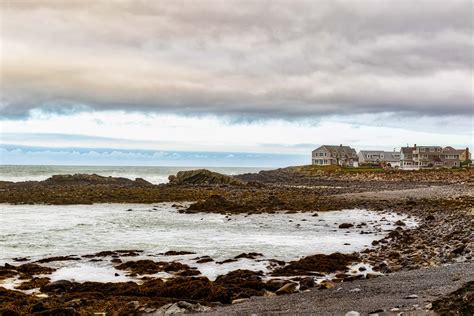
387	155
407	150
343	151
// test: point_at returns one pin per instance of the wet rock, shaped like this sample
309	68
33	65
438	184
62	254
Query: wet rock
288	288
226	261
204	259
177	253
274	284
59	258
306	283
33	268
93	179
33	283
346	225
202	177
317	263
38	307
57	286
250	255
242	283
219	204
152	267
7	271
62	311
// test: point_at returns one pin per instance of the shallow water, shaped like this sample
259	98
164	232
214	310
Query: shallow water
154	175
39	231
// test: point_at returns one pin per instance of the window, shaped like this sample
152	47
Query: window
432	150
438	149
422	149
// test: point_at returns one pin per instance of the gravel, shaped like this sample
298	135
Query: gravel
408	291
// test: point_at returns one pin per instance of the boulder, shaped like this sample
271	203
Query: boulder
202	177
346	225
288	288
57	286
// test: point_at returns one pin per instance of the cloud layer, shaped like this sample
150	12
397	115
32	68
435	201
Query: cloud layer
251	58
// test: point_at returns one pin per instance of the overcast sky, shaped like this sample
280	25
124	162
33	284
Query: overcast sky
236	76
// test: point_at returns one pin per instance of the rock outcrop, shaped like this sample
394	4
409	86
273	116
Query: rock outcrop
92	179
202	177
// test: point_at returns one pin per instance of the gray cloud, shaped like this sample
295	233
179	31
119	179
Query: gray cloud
251	58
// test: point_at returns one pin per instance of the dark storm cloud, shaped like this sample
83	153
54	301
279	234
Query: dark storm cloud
244	58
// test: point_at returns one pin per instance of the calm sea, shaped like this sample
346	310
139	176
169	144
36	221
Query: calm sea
152	174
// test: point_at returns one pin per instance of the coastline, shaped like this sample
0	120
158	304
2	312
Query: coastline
442	202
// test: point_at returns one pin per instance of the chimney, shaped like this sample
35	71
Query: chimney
414	146
467	153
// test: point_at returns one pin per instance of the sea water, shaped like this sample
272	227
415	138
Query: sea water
155	175
40	231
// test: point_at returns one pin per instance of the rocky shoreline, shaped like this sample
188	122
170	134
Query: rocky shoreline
442	202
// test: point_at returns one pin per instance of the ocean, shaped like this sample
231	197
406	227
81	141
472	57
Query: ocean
155	175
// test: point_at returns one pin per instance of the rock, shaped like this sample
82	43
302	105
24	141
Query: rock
217	203
399	223
204	260
275	284
411	297
59	258
38	307
202	177
250	255
177	253
317	263
33	284
152	267
59	286
190	307
354	290
287	289
133	305
240	300
63	311
371	275
306	283
459	249
346	225
352	313
326	284
93	179
245	282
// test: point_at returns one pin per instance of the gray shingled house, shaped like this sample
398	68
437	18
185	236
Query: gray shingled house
327	155
378	156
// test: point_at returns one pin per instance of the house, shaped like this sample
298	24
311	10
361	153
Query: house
464	154
377	156
335	155
420	157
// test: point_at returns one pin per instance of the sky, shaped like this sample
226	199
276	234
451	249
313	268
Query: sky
259	83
